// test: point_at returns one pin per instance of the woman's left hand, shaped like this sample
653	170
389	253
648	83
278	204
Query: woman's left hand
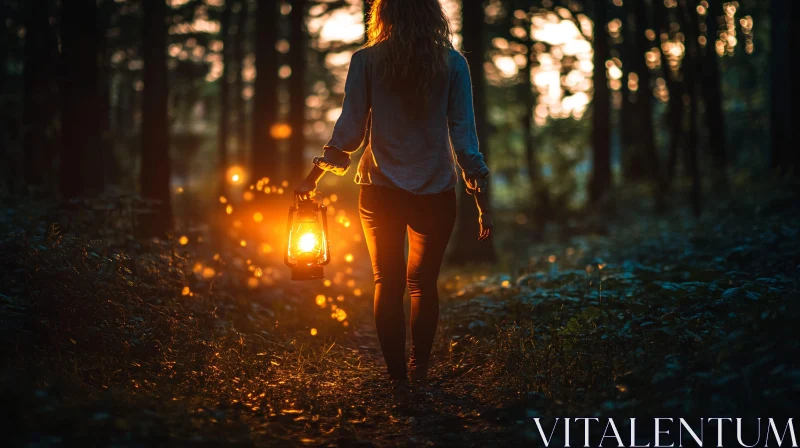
487	224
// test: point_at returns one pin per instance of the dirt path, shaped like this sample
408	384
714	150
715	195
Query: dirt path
444	414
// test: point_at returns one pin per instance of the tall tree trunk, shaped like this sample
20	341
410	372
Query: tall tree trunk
467	248
110	163
265	99
631	163
712	97
676	110
297	91
40	52
6	172
81	155
240	105
675	117
691	73
784	159
155	162
542	208
224	102
644	99
601	111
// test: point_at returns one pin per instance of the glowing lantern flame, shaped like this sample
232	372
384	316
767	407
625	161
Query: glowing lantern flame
307	242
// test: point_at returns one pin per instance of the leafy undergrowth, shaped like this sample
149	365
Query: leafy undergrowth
120	341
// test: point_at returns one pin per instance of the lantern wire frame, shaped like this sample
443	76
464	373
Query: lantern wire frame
312	270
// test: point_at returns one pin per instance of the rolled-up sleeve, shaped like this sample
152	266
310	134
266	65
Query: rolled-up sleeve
350	128
461	122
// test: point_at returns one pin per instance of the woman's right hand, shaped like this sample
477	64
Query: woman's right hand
305	190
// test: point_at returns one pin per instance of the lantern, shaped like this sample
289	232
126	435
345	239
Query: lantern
307	246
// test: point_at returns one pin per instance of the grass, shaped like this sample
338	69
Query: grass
107	339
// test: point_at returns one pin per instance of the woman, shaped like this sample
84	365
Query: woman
418	91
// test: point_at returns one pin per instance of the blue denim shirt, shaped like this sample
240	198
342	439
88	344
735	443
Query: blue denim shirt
418	155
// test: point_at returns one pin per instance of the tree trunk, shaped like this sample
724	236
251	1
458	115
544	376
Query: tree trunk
539	192
297	91
81	155
712	97
601	112
239	102
6	172
224	103
40	52
265	99
110	163
676	111
631	163
785	159
467	248
155	162
644	99
691	73
675	117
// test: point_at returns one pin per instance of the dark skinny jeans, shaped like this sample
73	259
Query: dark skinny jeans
386	215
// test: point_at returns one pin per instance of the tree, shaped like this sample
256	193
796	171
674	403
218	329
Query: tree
784	157
644	100
297	90
601	111
541	196
155	161
712	97
467	248
109	161
224	102
690	25
81	154
265	98
240	105
5	159
40	52
676	110
630	154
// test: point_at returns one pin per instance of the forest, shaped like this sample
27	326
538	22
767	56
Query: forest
645	261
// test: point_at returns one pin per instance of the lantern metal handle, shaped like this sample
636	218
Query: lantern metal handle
286	261
324	211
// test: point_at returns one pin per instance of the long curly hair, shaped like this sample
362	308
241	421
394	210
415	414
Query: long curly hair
414	37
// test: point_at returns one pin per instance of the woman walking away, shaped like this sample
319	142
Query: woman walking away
418	90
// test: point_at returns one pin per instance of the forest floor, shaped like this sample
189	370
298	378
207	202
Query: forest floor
117	341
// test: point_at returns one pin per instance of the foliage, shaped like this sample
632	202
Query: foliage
116	340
